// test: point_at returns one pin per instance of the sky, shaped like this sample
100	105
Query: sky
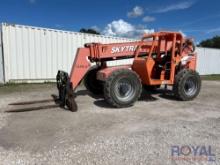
199	19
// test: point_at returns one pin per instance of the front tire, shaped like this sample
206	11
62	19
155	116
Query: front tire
187	85
122	88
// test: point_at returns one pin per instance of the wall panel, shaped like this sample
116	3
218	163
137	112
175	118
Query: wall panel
35	54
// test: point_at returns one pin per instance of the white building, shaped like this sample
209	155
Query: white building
31	54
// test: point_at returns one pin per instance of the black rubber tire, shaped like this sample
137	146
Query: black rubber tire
111	88
91	83
179	87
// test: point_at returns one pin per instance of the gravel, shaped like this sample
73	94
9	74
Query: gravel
101	135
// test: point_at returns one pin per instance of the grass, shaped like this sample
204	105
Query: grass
214	77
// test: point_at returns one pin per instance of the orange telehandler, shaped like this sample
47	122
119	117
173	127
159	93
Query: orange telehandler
160	58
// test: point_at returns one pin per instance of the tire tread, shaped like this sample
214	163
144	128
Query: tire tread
107	87
177	87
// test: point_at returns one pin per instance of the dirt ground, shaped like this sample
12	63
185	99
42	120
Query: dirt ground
99	134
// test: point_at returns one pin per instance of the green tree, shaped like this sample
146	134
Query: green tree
211	43
90	31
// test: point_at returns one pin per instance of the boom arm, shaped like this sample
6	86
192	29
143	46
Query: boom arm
96	52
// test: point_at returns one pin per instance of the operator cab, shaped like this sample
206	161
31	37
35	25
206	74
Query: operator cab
158	64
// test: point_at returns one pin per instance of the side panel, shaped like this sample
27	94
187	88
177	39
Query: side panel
1	59
34	54
208	61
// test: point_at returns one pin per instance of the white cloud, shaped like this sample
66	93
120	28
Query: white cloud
177	6
122	28
136	12
118	27
148	19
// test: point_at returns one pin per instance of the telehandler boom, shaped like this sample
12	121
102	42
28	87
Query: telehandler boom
158	58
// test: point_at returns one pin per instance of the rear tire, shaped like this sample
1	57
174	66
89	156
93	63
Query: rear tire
122	88
187	85
91	83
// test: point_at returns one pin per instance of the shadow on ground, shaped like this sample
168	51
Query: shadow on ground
147	96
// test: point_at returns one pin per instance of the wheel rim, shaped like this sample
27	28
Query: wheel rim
190	86
124	89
